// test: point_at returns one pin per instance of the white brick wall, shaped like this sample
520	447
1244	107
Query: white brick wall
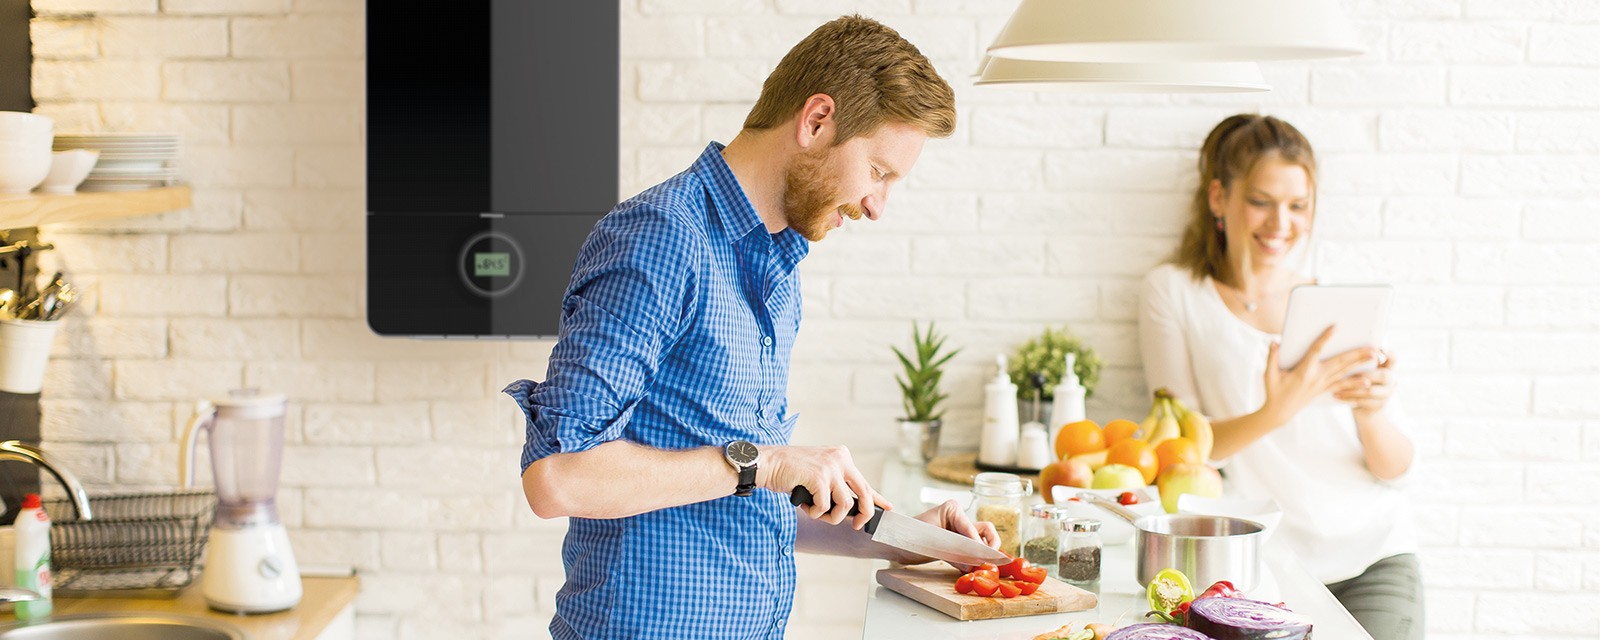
1461	161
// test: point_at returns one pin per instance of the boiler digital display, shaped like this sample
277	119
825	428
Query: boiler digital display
491	264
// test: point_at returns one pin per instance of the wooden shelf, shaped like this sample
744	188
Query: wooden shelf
37	209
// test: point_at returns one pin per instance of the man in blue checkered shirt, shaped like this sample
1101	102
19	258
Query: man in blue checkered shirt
662	425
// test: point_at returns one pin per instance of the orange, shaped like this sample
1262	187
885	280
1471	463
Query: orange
1078	437
1138	454
1119	430
1174	450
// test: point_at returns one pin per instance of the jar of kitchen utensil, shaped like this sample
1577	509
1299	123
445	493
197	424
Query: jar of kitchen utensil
1039	536
999	498
1078	553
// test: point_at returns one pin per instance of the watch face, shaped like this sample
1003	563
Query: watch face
741	453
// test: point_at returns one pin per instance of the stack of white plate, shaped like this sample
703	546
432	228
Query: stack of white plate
128	161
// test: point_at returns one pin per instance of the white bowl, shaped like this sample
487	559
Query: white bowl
1263	510
26	128
22	168
68	169
1113	529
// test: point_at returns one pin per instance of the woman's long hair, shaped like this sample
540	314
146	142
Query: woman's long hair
1231	151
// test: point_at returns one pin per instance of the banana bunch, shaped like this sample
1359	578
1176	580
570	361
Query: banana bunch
1170	419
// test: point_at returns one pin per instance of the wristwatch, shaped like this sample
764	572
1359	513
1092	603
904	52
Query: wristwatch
743	456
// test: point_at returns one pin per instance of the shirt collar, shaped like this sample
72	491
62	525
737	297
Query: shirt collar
734	210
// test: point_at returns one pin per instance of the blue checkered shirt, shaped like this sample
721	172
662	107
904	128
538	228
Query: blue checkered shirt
675	333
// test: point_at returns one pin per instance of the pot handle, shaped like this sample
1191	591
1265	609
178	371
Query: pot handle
1108	505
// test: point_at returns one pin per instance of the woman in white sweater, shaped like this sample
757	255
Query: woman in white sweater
1208	326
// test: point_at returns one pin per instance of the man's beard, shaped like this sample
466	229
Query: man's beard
808	196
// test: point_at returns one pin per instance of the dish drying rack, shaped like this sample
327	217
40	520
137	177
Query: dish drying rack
137	542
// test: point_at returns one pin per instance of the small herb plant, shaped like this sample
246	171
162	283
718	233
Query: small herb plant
919	385
1047	354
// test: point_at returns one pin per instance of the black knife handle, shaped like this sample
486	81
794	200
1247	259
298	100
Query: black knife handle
801	497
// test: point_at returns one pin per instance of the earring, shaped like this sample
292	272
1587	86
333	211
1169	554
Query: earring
1219	223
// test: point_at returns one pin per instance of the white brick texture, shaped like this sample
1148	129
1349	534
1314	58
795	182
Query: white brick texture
1459	159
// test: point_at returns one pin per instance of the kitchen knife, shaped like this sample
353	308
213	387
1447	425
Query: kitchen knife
910	534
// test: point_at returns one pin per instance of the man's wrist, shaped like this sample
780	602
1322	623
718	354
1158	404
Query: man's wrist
769	461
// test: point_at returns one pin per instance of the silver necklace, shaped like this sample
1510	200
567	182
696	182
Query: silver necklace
1249	305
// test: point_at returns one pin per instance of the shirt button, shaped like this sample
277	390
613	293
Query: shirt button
766	340
788	550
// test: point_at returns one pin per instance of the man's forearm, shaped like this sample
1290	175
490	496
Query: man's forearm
619	479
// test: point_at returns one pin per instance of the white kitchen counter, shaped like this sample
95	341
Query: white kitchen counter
891	616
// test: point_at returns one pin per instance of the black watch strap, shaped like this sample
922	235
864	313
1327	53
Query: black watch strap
747	481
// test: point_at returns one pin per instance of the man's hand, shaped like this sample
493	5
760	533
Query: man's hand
950	516
829	473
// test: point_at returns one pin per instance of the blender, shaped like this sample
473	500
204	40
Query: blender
249	567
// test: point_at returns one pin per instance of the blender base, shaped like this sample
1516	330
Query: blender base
250	570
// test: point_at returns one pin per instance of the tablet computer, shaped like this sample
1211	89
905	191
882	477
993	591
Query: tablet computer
1359	313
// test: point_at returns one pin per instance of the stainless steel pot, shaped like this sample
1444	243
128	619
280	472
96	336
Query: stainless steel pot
1205	548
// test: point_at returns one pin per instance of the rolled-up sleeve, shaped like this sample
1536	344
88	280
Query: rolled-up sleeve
631	290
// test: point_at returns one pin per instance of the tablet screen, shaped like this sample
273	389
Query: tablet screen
1359	313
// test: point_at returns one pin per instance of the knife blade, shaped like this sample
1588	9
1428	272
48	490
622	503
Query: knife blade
910	534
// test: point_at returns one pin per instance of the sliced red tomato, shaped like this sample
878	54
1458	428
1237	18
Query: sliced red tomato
1010	569
1009	589
1027	587
964	584
985	586
985	567
1033	575
1127	498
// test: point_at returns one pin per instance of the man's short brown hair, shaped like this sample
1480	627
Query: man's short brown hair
873	75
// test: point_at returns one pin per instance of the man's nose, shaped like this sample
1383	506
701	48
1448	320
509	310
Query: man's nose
873	205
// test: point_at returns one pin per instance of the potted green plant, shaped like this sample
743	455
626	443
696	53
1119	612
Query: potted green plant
1045	355
920	395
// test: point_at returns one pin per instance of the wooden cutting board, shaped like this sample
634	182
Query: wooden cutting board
935	585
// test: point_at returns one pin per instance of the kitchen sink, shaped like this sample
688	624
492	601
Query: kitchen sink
122	627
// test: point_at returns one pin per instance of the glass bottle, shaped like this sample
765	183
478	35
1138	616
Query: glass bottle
1078	553
1039	537
999	498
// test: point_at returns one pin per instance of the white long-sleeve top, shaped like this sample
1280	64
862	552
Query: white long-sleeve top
1337	516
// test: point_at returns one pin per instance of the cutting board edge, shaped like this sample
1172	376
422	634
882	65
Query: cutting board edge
1070	601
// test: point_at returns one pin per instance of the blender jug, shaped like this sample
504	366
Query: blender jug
249	565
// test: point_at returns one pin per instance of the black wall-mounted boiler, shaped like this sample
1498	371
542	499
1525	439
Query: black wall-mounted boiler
491	152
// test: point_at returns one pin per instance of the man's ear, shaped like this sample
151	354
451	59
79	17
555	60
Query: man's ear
815	124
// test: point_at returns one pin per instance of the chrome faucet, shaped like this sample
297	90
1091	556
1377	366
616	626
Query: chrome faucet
22	452
18	594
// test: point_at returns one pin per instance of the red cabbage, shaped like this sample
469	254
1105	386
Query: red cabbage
1241	619
1156	631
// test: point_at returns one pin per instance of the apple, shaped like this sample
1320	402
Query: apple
1064	473
1117	476
1186	477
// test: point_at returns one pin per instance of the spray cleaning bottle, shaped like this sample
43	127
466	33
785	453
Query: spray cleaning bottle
33	557
1069	394
998	446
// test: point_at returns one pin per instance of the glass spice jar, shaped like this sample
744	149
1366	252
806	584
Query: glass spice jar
1078	553
998	501
1039	537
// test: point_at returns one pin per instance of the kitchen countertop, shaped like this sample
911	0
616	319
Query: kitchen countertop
891	616
323	600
